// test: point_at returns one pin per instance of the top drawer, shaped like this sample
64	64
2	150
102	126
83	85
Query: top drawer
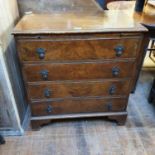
89	49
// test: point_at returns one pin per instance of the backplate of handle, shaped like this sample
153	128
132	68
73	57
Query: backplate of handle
119	50
49	109
41	53
109	106
47	92
112	90
115	71
44	74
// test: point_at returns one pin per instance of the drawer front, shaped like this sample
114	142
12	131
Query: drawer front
77	71
77	89
78	106
36	50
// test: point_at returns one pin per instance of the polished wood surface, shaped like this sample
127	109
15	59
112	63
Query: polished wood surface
101	21
78	71
78	106
146	17
51	90
74	64
61	49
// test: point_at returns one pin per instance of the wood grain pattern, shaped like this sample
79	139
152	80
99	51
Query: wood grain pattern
116	12
77	71
101	21
69	106
77	53
64	89
92	49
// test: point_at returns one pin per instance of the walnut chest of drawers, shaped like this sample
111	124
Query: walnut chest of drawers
78	70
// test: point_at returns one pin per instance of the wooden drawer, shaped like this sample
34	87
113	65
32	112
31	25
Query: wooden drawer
36	50
69	106
77	71
77	89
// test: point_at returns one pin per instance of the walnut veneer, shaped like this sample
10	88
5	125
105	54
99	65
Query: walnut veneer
77	66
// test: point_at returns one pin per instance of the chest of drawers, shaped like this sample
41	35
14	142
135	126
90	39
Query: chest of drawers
74	75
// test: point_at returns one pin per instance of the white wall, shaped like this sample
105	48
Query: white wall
9	113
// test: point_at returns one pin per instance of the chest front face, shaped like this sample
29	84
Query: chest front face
78	75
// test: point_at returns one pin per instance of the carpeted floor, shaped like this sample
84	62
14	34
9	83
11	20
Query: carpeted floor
94	137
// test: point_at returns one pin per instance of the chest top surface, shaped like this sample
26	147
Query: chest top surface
90	18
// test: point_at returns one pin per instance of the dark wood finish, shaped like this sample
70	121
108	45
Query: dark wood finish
71	106
140	59
95	22
146	17
120	119
37	122
47	90
93	49
78	71
85	64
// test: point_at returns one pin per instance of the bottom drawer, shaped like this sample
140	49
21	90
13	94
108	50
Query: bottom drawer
72	106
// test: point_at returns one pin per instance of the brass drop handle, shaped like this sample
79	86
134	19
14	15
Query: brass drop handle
49	109
119	50
41	53
47	93
109	106
112	90
44	74
115	71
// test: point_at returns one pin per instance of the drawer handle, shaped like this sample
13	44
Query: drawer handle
115	71
119	50
44	74
112	90
49	109
47	93
109	106
41	53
